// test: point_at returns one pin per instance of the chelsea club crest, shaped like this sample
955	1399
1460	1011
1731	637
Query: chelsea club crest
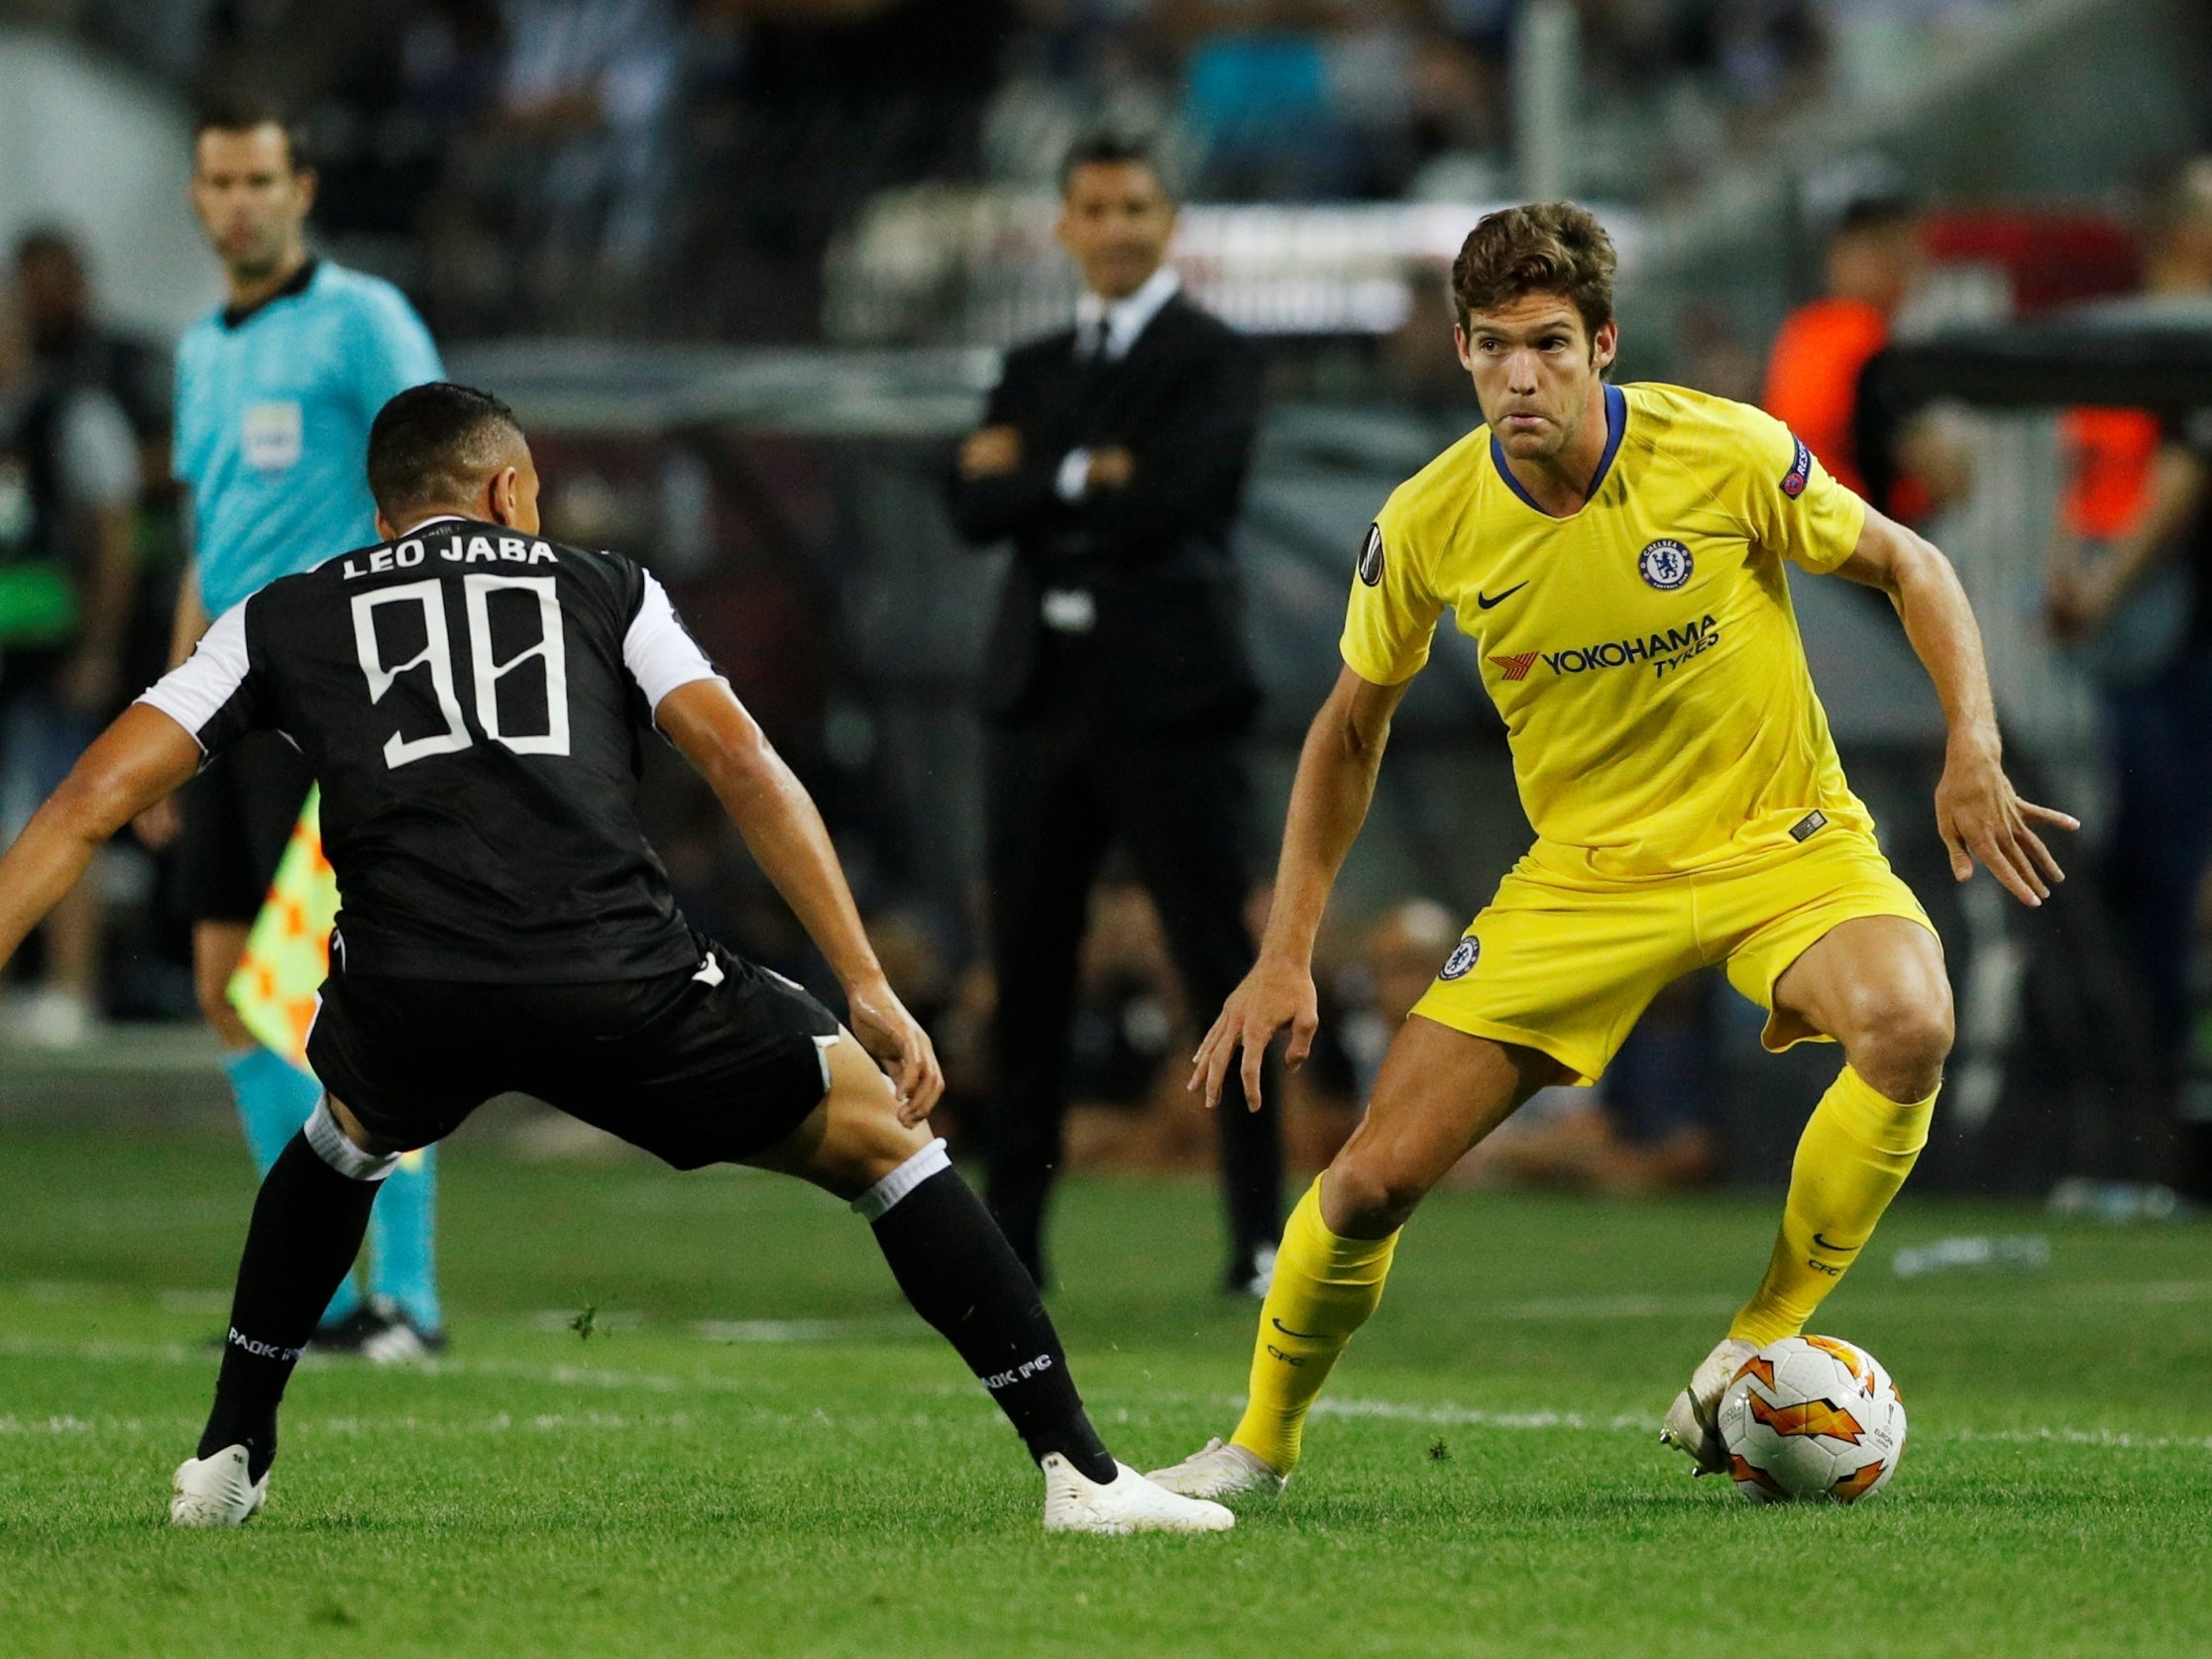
1462	958
1665	564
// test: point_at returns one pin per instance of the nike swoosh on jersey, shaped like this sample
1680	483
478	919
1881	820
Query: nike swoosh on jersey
1485	601
1840	1250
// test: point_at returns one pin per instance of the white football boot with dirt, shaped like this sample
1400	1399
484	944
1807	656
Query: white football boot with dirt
1693	1424
1220	1469
214	1492
1073	1502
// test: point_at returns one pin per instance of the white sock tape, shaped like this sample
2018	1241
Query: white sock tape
875	1203
334	1148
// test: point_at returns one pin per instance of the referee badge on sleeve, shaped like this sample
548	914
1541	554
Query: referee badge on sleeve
1370	557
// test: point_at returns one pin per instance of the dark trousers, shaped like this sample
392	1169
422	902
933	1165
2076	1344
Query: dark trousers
2154	867
2161	831
1061	789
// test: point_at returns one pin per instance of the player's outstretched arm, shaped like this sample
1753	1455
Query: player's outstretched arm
161	822
786	834
1978	812
1328	803
135	762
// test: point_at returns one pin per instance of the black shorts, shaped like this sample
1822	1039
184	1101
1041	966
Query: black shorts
238	816
707	1065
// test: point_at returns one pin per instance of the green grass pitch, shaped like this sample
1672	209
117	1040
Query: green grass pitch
760	1451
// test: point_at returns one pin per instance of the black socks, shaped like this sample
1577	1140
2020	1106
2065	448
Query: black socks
962	1275
306	1231
945	1252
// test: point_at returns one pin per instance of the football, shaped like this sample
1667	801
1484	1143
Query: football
1811	1417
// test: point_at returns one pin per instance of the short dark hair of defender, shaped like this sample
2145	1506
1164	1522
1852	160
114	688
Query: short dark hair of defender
1546	246
235	111
433	444
1112	149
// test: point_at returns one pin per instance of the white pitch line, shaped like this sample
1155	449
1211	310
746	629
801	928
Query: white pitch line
176	1353
134	1353
558	1375
1473	1416
2148	1290
774	1331
1437	1414
1613	1307
2116	1438
2091	1296
1446	1414
500	1423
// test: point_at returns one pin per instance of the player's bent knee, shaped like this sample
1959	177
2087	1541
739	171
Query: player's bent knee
854	1138
1903	1041
1362	1198
338	1138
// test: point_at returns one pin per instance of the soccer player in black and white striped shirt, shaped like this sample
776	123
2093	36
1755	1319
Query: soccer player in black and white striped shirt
474	700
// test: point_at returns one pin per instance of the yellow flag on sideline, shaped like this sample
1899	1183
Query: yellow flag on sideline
288	954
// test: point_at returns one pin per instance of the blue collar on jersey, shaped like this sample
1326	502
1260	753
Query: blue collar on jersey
1617	423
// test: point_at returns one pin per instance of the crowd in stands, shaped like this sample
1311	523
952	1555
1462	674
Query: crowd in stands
678	167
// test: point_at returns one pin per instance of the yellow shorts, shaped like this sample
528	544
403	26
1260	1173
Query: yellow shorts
1568	967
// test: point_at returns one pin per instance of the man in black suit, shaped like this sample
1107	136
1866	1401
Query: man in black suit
1117	690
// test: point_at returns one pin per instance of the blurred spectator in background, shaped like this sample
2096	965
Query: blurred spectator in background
1127	1013
1815	370
1648	1124
1713	355
1398	961
808	109
70	343
1291	100
588	88
1117	687
1424	370
2131	591
67	338
68	492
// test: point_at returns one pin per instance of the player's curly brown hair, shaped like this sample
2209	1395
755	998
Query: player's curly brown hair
1544	247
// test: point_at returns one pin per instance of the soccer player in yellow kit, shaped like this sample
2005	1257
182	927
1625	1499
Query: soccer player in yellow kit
1618	553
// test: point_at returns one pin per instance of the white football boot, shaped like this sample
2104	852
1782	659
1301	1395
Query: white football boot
1128	1502
1220	1469
1692	1423
214	1492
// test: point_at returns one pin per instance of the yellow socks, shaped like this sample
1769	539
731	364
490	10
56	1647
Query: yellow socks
1856	1151
1323	1291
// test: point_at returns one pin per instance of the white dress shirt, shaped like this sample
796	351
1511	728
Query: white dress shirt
1111	326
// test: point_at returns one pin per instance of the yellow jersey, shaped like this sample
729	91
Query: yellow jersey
1644	650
